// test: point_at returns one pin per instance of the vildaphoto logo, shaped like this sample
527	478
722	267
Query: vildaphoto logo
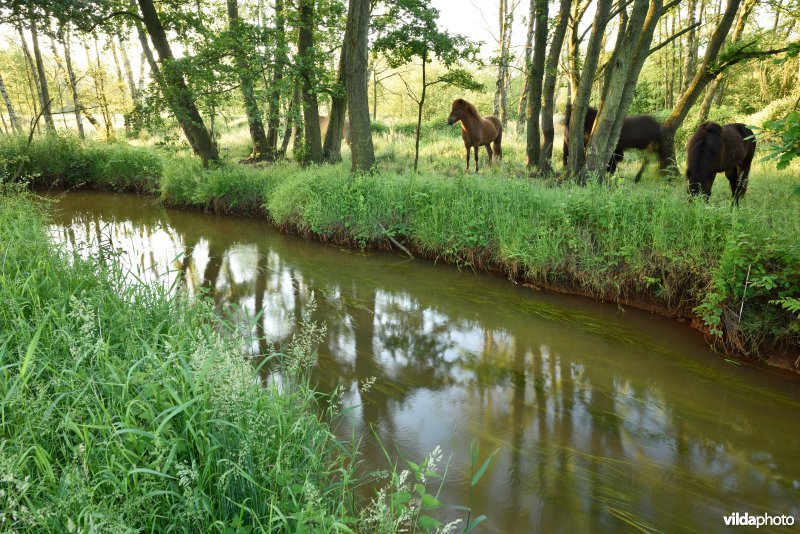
748	520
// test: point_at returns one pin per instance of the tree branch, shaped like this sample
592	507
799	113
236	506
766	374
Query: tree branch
672	38
743	55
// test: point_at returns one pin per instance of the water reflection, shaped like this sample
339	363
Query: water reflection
606	420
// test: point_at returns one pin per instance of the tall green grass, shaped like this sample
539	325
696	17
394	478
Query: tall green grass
126	408
737	270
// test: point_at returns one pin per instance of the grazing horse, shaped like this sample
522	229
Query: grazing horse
477	131
638	131
714	148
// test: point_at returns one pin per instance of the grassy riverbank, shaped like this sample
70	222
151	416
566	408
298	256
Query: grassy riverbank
736	271
128	408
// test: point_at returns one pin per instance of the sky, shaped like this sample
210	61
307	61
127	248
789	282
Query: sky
479	20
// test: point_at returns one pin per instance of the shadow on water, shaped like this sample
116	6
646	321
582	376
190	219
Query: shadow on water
607	419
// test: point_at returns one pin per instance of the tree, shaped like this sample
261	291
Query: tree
273	112
332	147
307	63
575	162
535	75
523	96
177	93
73	80
549	87
239	35
12	115
411	31
701	78
714	85
355	79
43	88
506	23
691	44
622	73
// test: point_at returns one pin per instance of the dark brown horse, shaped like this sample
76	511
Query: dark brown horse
713	149
642	132
477	131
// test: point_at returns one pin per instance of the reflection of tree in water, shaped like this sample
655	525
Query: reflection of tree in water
414	341
583	435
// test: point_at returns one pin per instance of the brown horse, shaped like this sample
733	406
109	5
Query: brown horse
642	132
477	131
713	149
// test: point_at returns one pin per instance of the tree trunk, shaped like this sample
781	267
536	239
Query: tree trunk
59	71
549	88
500	60
701	78
356	55
508	26
536	73
691	45
12	115
43	90
716	87
522	111
305	53
332	147
73	84
98	76
575	163
622	75
179	97
297	120
258	137
33	79
273	112
135	116
419	110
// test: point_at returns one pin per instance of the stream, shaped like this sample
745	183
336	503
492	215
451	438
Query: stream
607	418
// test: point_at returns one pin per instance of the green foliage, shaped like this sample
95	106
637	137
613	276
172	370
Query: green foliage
410	30
783	137
753	276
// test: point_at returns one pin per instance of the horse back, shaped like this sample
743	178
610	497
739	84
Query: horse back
736	149
748	137
640	131
496	130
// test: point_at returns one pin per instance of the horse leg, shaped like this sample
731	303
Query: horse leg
744	175
467	169
639	174
616	157
476	158
735	180
489	152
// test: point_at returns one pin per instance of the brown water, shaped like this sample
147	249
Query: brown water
606	419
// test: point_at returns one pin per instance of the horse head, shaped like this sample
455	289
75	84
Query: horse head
457	111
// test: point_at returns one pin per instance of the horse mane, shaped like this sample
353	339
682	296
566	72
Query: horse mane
466	106
704	149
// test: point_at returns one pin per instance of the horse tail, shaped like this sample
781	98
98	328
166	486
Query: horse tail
497	144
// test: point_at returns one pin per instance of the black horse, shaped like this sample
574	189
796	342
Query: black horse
713	149
638	131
